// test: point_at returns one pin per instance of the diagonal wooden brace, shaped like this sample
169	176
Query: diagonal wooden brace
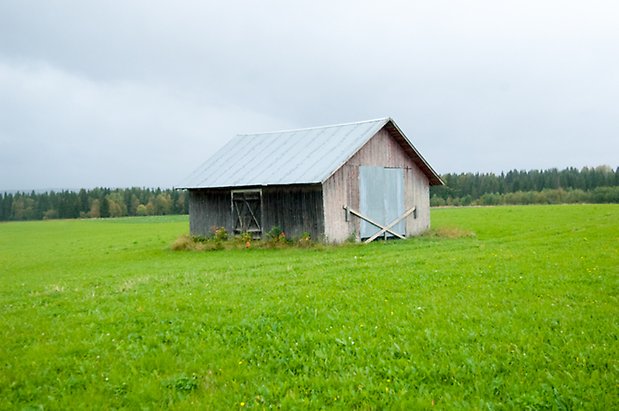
251	212
390	225
382	227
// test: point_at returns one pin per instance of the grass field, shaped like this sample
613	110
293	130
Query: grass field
524	314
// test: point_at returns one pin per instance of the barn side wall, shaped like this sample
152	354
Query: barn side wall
295	209
208	208
342	188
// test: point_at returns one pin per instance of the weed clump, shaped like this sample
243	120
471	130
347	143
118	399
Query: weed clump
450	232
219	233
276	238
183	383
305	241
185	243
220	240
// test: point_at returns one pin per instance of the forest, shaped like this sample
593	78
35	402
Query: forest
552	186
94	203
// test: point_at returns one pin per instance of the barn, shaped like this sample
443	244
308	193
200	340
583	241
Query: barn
362	180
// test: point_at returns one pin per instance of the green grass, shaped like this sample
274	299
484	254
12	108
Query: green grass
523	314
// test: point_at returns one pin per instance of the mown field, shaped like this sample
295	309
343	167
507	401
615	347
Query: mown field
524	314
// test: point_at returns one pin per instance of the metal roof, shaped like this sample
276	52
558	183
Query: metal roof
304	156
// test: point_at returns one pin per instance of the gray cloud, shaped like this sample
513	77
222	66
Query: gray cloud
140	93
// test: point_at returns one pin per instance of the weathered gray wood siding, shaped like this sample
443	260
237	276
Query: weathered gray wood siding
342	188
295	209
208	208
418	195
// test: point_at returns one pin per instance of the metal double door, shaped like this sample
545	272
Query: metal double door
381	198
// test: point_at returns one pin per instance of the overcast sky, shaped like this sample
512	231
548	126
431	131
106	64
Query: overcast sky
139	93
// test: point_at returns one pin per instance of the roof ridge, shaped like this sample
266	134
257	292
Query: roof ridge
385	119
300	156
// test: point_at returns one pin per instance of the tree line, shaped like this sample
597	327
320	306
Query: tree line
551	186
94	203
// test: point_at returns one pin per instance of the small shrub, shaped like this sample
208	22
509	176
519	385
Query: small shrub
219	233
246	237
244	240
276	238
274	233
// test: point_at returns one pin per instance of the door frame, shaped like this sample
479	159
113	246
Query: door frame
251	209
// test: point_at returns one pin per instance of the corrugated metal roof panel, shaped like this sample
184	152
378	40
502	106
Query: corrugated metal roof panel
302	156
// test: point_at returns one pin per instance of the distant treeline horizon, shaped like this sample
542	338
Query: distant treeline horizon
92	203
552	186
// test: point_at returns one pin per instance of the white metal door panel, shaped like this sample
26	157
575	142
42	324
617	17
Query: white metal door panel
381	198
